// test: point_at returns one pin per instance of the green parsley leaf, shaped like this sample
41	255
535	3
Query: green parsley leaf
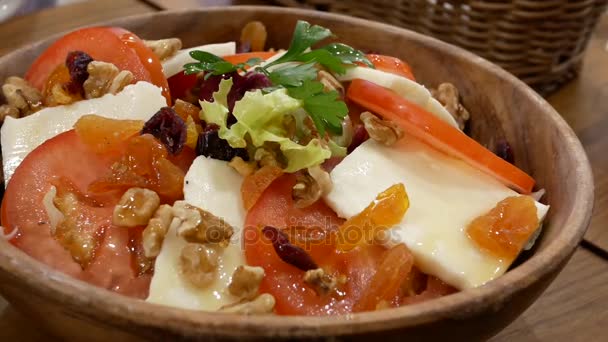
304	36
205	57
347	54
326	110
325	58
293	76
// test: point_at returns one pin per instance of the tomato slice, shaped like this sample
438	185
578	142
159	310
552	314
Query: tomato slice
147	57
113	45
391	65
101	43
432	130
308	228
66	157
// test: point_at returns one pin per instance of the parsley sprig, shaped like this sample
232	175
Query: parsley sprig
326	109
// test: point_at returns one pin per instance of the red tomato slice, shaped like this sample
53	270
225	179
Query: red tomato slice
147	57
391	65
307	228
104	44
432	130
66	157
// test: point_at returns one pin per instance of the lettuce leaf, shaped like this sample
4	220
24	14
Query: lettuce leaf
260	119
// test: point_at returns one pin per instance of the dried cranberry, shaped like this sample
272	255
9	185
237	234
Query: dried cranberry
503	150
359	137
289	253
77	63
210	145
169	128
243	84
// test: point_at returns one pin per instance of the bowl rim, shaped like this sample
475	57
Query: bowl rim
54	285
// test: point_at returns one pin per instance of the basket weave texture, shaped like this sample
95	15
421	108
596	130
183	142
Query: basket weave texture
540	41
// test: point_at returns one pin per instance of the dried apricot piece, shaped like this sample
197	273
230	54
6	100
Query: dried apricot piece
192	132
506	228
105	135
385	211
144	164
385	285
254	185
186	109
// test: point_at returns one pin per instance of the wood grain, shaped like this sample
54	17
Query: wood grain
584	105
574	307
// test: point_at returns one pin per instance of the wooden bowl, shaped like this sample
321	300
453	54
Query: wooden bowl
501	107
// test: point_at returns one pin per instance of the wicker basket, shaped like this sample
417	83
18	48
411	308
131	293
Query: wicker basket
540	41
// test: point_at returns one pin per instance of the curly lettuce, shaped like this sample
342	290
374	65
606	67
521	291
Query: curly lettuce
260	119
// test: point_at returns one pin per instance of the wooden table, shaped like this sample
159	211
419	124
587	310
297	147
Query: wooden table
574	308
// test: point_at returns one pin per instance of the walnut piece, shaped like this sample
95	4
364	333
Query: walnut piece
21	95
198	264
105	78
164	48
246	281
311	186
447	94
383	131
242	167
154	234
266	157
262	304
135	208
330	82
200	226
320	281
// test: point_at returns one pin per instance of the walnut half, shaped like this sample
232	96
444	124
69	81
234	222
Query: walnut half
200	226
135	208
383	131
105	78
311	186
246	281
164	48
156	230
198	264
447	94
20	95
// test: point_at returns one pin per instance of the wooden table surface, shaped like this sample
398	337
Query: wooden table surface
574	308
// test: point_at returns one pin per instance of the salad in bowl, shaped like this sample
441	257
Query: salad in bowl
237	177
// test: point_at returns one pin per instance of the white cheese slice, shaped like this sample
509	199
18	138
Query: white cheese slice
445	195
175	63
406	88
214	186
20	136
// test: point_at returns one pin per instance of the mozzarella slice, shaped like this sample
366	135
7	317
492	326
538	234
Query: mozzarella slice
406	88
214	186
175	64
20	136
445	195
